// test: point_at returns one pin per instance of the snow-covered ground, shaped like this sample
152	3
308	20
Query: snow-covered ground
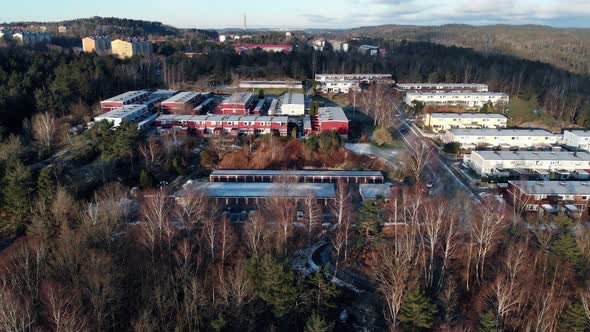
389	155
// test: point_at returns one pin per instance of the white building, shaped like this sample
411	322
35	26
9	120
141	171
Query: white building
134	113
369	49
465	99
339	46
492	162
446	121
292	104
505	138
442	87
222	38
577	138
62	29
338	86
353	77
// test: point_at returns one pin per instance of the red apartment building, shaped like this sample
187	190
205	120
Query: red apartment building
127	98
328	118
218	125
184	102
238	104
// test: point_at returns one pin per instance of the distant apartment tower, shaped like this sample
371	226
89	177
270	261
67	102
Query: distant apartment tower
100	45
127	48
29	38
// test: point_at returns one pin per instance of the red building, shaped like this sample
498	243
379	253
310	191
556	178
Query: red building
127	98
184	102
218	125
239	104
328	118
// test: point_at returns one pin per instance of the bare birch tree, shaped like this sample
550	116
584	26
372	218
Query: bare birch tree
44	128
312	216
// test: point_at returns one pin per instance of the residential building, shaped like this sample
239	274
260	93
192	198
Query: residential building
297	176
248	194
184	102
127	98
29	38
134	113
369	49
338	86
241	103
504	138
271	48
292	104
271	85
442	87
222	38
328	119
339	46
126	48
571	197
465	99
100	45
62	29
577	139
353	77
486	163
446	121
219	125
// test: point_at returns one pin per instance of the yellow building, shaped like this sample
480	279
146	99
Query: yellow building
96	44
446	121
131	47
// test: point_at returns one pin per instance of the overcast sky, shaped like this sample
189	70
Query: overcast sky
308	13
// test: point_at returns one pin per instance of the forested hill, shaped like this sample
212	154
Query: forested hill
565	48
113	26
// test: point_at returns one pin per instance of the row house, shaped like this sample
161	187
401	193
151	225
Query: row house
442	87
445	121
468	100
218	125
504	138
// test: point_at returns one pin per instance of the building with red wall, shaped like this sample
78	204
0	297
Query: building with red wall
127	98
241	103
184	102
328	118
218	125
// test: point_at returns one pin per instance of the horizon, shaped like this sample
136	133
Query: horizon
333	14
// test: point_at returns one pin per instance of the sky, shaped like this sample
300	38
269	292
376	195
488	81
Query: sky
297	14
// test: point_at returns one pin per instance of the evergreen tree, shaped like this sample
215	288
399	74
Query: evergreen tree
273	284
315	323
417	312
488	322
146	180
566	248
573	318
321	291
45	186
17	189
369	217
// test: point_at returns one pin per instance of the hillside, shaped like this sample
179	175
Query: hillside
565	48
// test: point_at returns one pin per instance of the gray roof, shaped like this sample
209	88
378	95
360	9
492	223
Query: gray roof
468	115
553	187
238	98
501	132
267	172
121	112
127	96
375	190
534	155
225	189
182	97
579	132
457	93
222	117
293	98
442	85
332	114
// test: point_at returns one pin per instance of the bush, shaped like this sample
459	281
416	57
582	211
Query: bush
452	148
382	136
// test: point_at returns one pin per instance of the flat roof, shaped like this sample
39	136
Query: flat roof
579	132
238	98
268	172
553	187
293	99
221	117
121	112
332	114
501	132
375	190
127	96
443	85
456	93
467	115
238	190
534	155
182	97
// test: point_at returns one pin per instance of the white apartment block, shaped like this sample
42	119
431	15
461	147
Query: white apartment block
491	162
505	138
465	99
476	87
292	104
133	113
353	77
446	121
577	138
338	86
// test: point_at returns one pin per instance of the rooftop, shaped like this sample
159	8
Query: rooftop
238	98
293	99
266	172
375	190
182	97
467	116
534	155
456	93
127	96
553	187
295	190
442	85
121	112
221	117
579	132
501	132
332	114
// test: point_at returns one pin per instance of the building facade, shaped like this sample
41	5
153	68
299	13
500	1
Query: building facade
219	125
30	38
100	45
327	119
571	197
486	163
134	113
297	176
468	100
506	138
127	98
271	85
577	139
241	103
271	48
127	48
446	121
292	104
184	102
353	77
442	87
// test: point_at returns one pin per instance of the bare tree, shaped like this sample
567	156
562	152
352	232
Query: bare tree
64	310
417	159
255	230
16	314
157	226
520	202
433	221
283	208
44	129
312	216
340	208
152	152
192	208
225	237
210	233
